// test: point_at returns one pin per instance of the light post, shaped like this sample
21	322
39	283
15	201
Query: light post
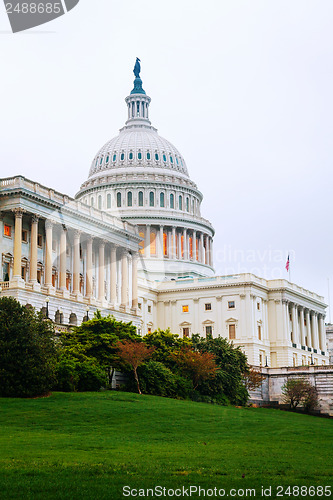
47	300
87	310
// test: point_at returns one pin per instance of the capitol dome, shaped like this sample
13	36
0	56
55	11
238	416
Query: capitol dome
141	177
140	148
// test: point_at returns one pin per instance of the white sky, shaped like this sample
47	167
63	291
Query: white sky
242	88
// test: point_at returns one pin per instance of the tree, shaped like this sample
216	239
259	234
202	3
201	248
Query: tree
253	379
134	354
166	345
198	365
299	391
27	351
232	366
95	341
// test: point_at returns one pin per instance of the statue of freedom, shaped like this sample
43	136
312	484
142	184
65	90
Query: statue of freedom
137	68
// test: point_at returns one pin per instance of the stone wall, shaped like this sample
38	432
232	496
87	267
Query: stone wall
319	376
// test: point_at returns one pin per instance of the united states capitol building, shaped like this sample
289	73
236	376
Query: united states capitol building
133	243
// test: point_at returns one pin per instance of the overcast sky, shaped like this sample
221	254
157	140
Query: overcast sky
242	88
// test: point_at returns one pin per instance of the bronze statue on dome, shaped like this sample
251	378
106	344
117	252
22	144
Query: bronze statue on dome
137	68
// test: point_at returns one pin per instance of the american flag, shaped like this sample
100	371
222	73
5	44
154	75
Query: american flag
288	263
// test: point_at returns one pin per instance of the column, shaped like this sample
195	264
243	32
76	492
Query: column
48	253
63	258
207	250
174	243
124	278
194	245
17	271
301	319
179	243
308	328
169	244
211	253
101	272
294	326
160	246
33	249
76	262
202	250
185	244
89	268
322	333
113	272
135	280
147	241
315	331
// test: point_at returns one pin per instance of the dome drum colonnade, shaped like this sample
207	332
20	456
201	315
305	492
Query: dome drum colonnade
141	177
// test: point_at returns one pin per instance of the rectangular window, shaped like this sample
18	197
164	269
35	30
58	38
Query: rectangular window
185	309
261	359
232	332
149	330
231	304
186	332
209	331
7	231
259	332
139	305
208	307
149	309
24	236
258	306
40	241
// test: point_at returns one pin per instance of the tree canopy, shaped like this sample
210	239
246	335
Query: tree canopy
27	351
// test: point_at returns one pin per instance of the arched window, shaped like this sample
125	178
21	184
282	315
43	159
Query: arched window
118	199
156	157
164	157
148	155
100	203
122	156
140	199
151	199
92	202
131	156
162	200
171	159
101	161
108	201
172	201
107	159
114	157
96	162
177	161
129	199
187	205
139	156
180	202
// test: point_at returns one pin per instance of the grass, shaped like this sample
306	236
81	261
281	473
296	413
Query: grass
82	446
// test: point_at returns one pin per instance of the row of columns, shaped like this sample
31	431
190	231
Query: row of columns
309	330
202	244
48	262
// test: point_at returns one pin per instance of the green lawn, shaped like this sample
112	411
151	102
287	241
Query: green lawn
91	445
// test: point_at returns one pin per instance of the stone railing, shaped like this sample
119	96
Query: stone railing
66	201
